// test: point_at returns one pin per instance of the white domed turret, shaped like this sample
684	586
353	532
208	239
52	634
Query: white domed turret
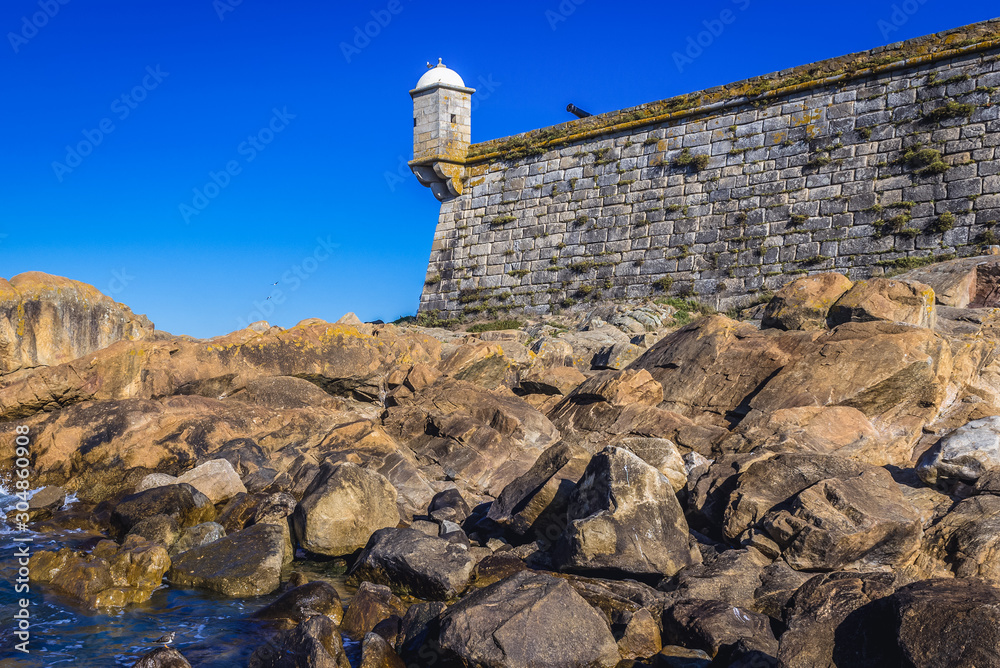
442	130
439	74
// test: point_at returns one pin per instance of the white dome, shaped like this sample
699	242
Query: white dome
440	74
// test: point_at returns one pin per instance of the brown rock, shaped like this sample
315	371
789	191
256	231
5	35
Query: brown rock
623	517
377	653
805	302
49	320
162	657
110	576
829	623
342	508
479	439
315	643
370	605
641	638
886	299
968	282
713	625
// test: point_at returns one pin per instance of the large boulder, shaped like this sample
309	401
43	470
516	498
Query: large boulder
528	619
968	282
825	513
182	502
111	575
716	627
946	623
831	622
371	604
805	302
48	320
966	541
376	652
299	603
342	508
315	643
244	564
415	564
710	369
963	455
623	517
886	299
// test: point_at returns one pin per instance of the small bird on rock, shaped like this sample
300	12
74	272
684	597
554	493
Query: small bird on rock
167	639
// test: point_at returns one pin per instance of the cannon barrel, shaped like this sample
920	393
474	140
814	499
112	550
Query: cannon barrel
580	113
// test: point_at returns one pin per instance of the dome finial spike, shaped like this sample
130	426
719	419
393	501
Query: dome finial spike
440	62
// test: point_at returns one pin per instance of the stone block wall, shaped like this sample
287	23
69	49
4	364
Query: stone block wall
865	165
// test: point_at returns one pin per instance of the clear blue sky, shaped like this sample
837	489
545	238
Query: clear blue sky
326	208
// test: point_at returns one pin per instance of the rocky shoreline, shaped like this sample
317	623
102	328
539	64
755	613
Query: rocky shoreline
812	482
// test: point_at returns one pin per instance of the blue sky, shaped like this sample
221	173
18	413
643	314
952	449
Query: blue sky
294	127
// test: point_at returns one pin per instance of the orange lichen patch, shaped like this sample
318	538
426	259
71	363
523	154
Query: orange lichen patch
918	51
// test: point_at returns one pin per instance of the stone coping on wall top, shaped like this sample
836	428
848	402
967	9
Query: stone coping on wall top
919	50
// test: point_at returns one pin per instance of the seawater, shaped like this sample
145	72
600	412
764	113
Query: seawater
212	631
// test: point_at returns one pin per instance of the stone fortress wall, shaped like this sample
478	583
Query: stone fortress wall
863	164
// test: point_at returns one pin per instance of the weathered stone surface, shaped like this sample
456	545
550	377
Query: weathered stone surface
342	508
371	604
47	320
967	540
713	625
963	455
623	517
528	619
111	575
197	536
216	479
641	638
964	282
377	653
615	405
535	503
897	375
660	453
315	643
710	369
825	512
161	529
947	623
243	564
551	380
829	624
182	502
345	360
805	302
479	439
489	365
299	603
886	299
162	657
414	564
44	502
732	576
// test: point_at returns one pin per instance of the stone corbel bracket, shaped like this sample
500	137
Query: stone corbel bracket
444	178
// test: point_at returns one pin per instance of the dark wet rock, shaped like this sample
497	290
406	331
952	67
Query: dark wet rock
377	653
302	602
243	564
160	529
390	629
111	575
414	564
371	604
419	631
45	502
162	657
182	502
953	623
830	622
315	643
449	505
529	619
713	626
